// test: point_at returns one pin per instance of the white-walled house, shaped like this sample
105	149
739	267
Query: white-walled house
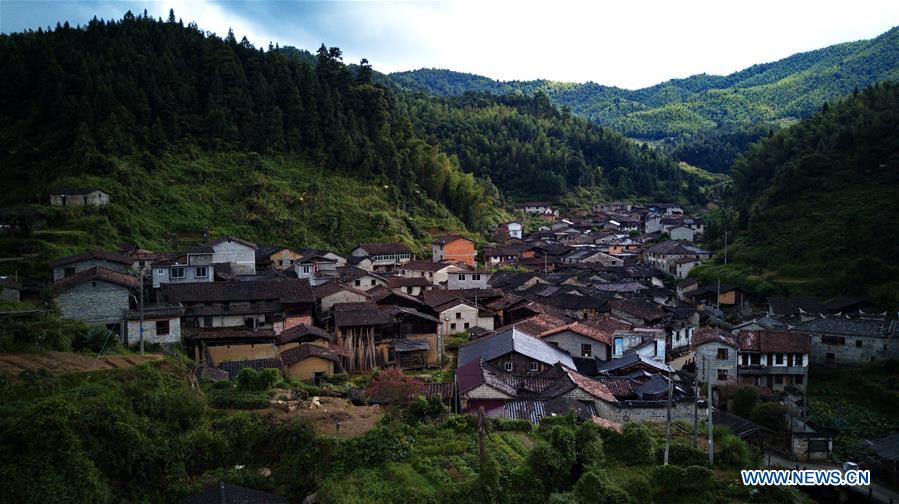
467	279
238	253
459	316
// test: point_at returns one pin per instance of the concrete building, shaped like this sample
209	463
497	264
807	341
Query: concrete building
239	254
453	249
715	355
467	279
96	296
78	196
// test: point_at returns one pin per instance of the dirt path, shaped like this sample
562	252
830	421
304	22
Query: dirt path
11	364
354	420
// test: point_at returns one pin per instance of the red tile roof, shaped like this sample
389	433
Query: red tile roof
96	273
710	334
769	340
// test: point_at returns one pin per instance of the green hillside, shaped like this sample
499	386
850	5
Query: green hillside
815	204
775	94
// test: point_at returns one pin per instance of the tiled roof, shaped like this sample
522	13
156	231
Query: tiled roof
425	266
775	341
306	350
443	240
600	329
332	287
872	328
595	388
408	282
302	333
385	248
233	368
234	333
284	290
672	247
712	334
795	305
96	273
645	310
235	239
513	340
93	255
362	314
436	297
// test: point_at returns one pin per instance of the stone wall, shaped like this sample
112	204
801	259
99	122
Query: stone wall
96	302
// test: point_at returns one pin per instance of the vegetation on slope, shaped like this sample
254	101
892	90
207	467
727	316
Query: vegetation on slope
771	94
146	434
814	205
528	148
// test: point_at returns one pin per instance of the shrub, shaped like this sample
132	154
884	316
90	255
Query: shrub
421	409
745	399
634	446
771	415
394	387
509	424
594	487
733	452
250	380
683	455
237	399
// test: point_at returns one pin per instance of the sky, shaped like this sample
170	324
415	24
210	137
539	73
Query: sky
630	43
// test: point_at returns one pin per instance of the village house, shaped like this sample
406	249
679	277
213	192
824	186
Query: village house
194	265
277	257
639	312
238	254
70	265
587	339
216	347
96	296
333	292
540	208
510	230
318	269
453	249
78	196
384	256
796	309
410	286
359	278
774	359
724	297
850	341
459	315
162	325
311	362
435	272
275	304
372	336
663	255
715	354
10	289
510	254
464	279
514	351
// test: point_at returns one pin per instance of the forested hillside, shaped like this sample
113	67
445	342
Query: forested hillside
770	94
527	147
816	204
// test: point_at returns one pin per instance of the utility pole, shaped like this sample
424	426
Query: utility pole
709	421
725	248
668	420
696	410
141	330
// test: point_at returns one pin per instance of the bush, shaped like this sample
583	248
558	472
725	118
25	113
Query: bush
683	455
733	452
745	399
237	399
634	446
250	380
508	424
771	415
594	487
421	409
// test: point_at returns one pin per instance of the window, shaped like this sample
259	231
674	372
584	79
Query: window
177	273
373	282
829	356
798	379
779	358
306	270
722	375
461	277
858	343
458	315
249	323
722	354
68	272
833	340
744	359
508	366
202	271
586	350
453	325
533	367
162	327
755	359
207	321
358	283
475	277
466	325
160	272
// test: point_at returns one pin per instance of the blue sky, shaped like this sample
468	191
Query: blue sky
630	43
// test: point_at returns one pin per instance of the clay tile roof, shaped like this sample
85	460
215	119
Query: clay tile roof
284	290
385	248
710	334
367	314
226	333
768	340
307	350
333	286
302	333
592	387
93	254
443	240
409	282
646	310
96	273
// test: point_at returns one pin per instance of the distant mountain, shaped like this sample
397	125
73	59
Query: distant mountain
778	93
815	205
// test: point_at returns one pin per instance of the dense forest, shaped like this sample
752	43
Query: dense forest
191	131
527	147
778	93
815	204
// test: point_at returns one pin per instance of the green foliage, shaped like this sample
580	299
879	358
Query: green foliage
677	484
844	156
40	331
745	399
771	415
635	446
425	409
251	380
594	487
507	424
683	455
